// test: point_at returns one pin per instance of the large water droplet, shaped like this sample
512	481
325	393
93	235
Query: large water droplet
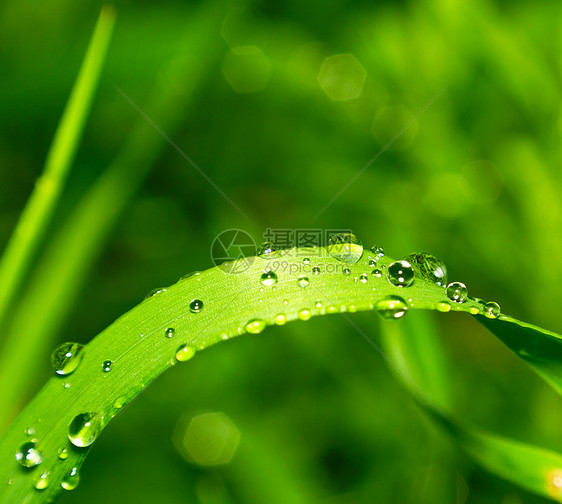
256	326
303	281
169	332
28	455
492	310
429	267
106	366
185	353
196	306
457	292
66	357
71	479
268	250
268	278
345	247
280	319
391	307
443	306
304	314
84	429
400	273
42	481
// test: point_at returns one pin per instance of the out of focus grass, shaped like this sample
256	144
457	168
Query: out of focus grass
475	180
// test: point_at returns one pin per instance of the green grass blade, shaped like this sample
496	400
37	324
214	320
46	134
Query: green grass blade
531	467
35	217
57	279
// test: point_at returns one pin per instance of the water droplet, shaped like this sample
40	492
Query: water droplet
316	270
185	353
255	326
30	431
170	332
280	319
443	307
63	453
376	273
66	385
318	304
363	278
268	250
71	479
268	278
303	281
66	358
304	314
84	429
378	251
492	310
346	271
106	366
401	274
457	292
153	292
391	307
42	481
429	267
345	247
119	402
28	455
372	262
196	306
306	260
474	310
188	275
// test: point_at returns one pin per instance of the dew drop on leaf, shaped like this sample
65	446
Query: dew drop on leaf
119	402
304	314
306	260
71	479
268	278
346	271
63	453
41	481
169	332
376	273
303	281
372	263
377	251
280	319
363	278
185	353
28	455
429	267
492	310
84	429
255	326
106	366
391	307
457	292
443	306
267	250
154	292
196	306
66	358
400	273
345	247
316	270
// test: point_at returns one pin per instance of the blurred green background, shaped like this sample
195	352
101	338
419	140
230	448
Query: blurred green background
281	104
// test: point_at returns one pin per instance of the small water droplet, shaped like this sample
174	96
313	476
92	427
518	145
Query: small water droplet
154	292
429	267
400	273
196	306
280	319
304	314
41	481
66	385
106	366
363	278
391	307
268	250
345	247
66	358
316	270
318	304
30	431
306	260
303	281
377	251
185	353
346	271
457	292
188	275
372	263
492	310
443	307
119	402
84	429
268	278
71	479
376	273
169	332
255	326
28	455
63	453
